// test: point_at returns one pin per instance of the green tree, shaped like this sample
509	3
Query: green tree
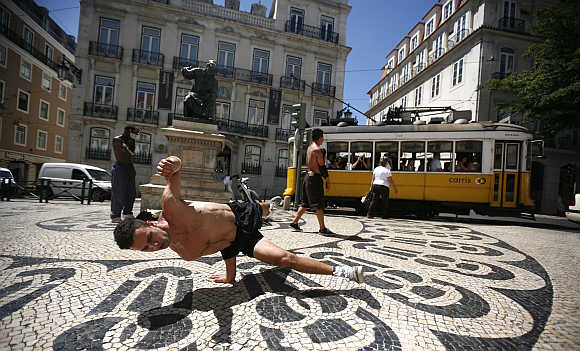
549	92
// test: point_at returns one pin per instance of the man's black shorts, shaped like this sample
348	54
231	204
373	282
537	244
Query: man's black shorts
248	222
313	192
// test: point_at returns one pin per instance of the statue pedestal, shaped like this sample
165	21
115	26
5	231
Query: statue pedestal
197	146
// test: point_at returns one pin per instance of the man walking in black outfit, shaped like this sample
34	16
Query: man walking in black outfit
123	189
313	189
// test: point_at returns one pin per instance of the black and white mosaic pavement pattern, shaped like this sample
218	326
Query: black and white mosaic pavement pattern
429	286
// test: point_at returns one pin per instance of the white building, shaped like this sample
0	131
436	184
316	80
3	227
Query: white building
445	61
131	52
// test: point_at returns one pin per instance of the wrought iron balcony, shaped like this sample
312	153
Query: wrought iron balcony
251	168
404	78
323	89
148	57
98	110
281	171
283	134
141	158
180	62
512	24
180	117
105	50
143	116
499	75
456	38
311	31
227	125
97	154
225	71
292	83
246	75
19	40
435	54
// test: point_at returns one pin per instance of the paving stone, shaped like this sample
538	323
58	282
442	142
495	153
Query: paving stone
434	285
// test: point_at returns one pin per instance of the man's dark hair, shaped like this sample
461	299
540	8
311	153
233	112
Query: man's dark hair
317	133
125	230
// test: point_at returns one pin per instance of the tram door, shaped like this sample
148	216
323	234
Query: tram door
506	163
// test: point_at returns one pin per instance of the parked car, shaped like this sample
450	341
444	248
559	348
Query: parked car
573	212
6	174
66	179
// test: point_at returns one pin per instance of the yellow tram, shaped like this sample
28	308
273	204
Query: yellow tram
485	167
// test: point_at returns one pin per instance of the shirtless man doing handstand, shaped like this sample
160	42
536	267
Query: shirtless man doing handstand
204	229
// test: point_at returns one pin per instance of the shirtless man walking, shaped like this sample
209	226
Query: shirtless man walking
313	189
201	230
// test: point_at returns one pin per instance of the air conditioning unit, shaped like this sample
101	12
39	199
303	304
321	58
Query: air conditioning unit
161	148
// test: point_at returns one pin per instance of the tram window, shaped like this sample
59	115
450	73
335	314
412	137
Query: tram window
468	156
412	156
390	147
497	156
339	152
443	150
511	160
362	153
291	155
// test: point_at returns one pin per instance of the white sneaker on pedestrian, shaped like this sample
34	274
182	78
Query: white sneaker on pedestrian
354	274
115	219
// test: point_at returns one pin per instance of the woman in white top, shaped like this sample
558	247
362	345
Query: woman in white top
382	180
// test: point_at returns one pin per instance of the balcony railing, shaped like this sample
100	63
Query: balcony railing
252	76
499	75
456	38
292	83
143	159
98	110
228	14
105	50
323	89
281	171
97	154
250	168
142	116
226	71
19	40
148	57
283	134
404	78
435	54
311	31
180	62
180	117
418	68
227	125
512	23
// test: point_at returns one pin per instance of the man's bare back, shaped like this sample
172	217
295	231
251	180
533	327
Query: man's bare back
199	230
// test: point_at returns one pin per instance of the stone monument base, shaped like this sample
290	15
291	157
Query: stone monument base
198	150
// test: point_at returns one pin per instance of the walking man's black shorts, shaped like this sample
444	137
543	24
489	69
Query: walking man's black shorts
313	192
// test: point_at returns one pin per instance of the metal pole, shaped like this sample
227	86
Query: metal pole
83	191
298	143
90	192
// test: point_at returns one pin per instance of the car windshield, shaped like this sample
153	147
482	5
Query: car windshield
5	174
99	175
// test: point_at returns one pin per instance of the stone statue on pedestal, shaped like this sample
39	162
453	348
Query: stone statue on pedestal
200	102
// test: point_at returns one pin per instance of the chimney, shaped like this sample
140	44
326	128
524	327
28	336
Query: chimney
233	4
258	9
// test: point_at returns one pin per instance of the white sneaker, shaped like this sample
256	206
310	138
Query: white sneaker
116	220
354	274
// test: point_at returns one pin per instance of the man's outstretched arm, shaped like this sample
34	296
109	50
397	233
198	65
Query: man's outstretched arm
170	169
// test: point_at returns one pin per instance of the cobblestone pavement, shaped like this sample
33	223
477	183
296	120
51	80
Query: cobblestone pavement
436	285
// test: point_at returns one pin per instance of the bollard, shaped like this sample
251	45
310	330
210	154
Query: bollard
90	192
83	191
43	189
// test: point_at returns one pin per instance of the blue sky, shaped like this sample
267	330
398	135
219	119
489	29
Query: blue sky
374	27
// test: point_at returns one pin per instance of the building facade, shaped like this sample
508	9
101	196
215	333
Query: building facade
37	73
133	50
445	61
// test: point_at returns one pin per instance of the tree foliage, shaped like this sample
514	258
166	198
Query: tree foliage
549	92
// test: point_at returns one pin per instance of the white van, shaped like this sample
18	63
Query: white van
66	179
